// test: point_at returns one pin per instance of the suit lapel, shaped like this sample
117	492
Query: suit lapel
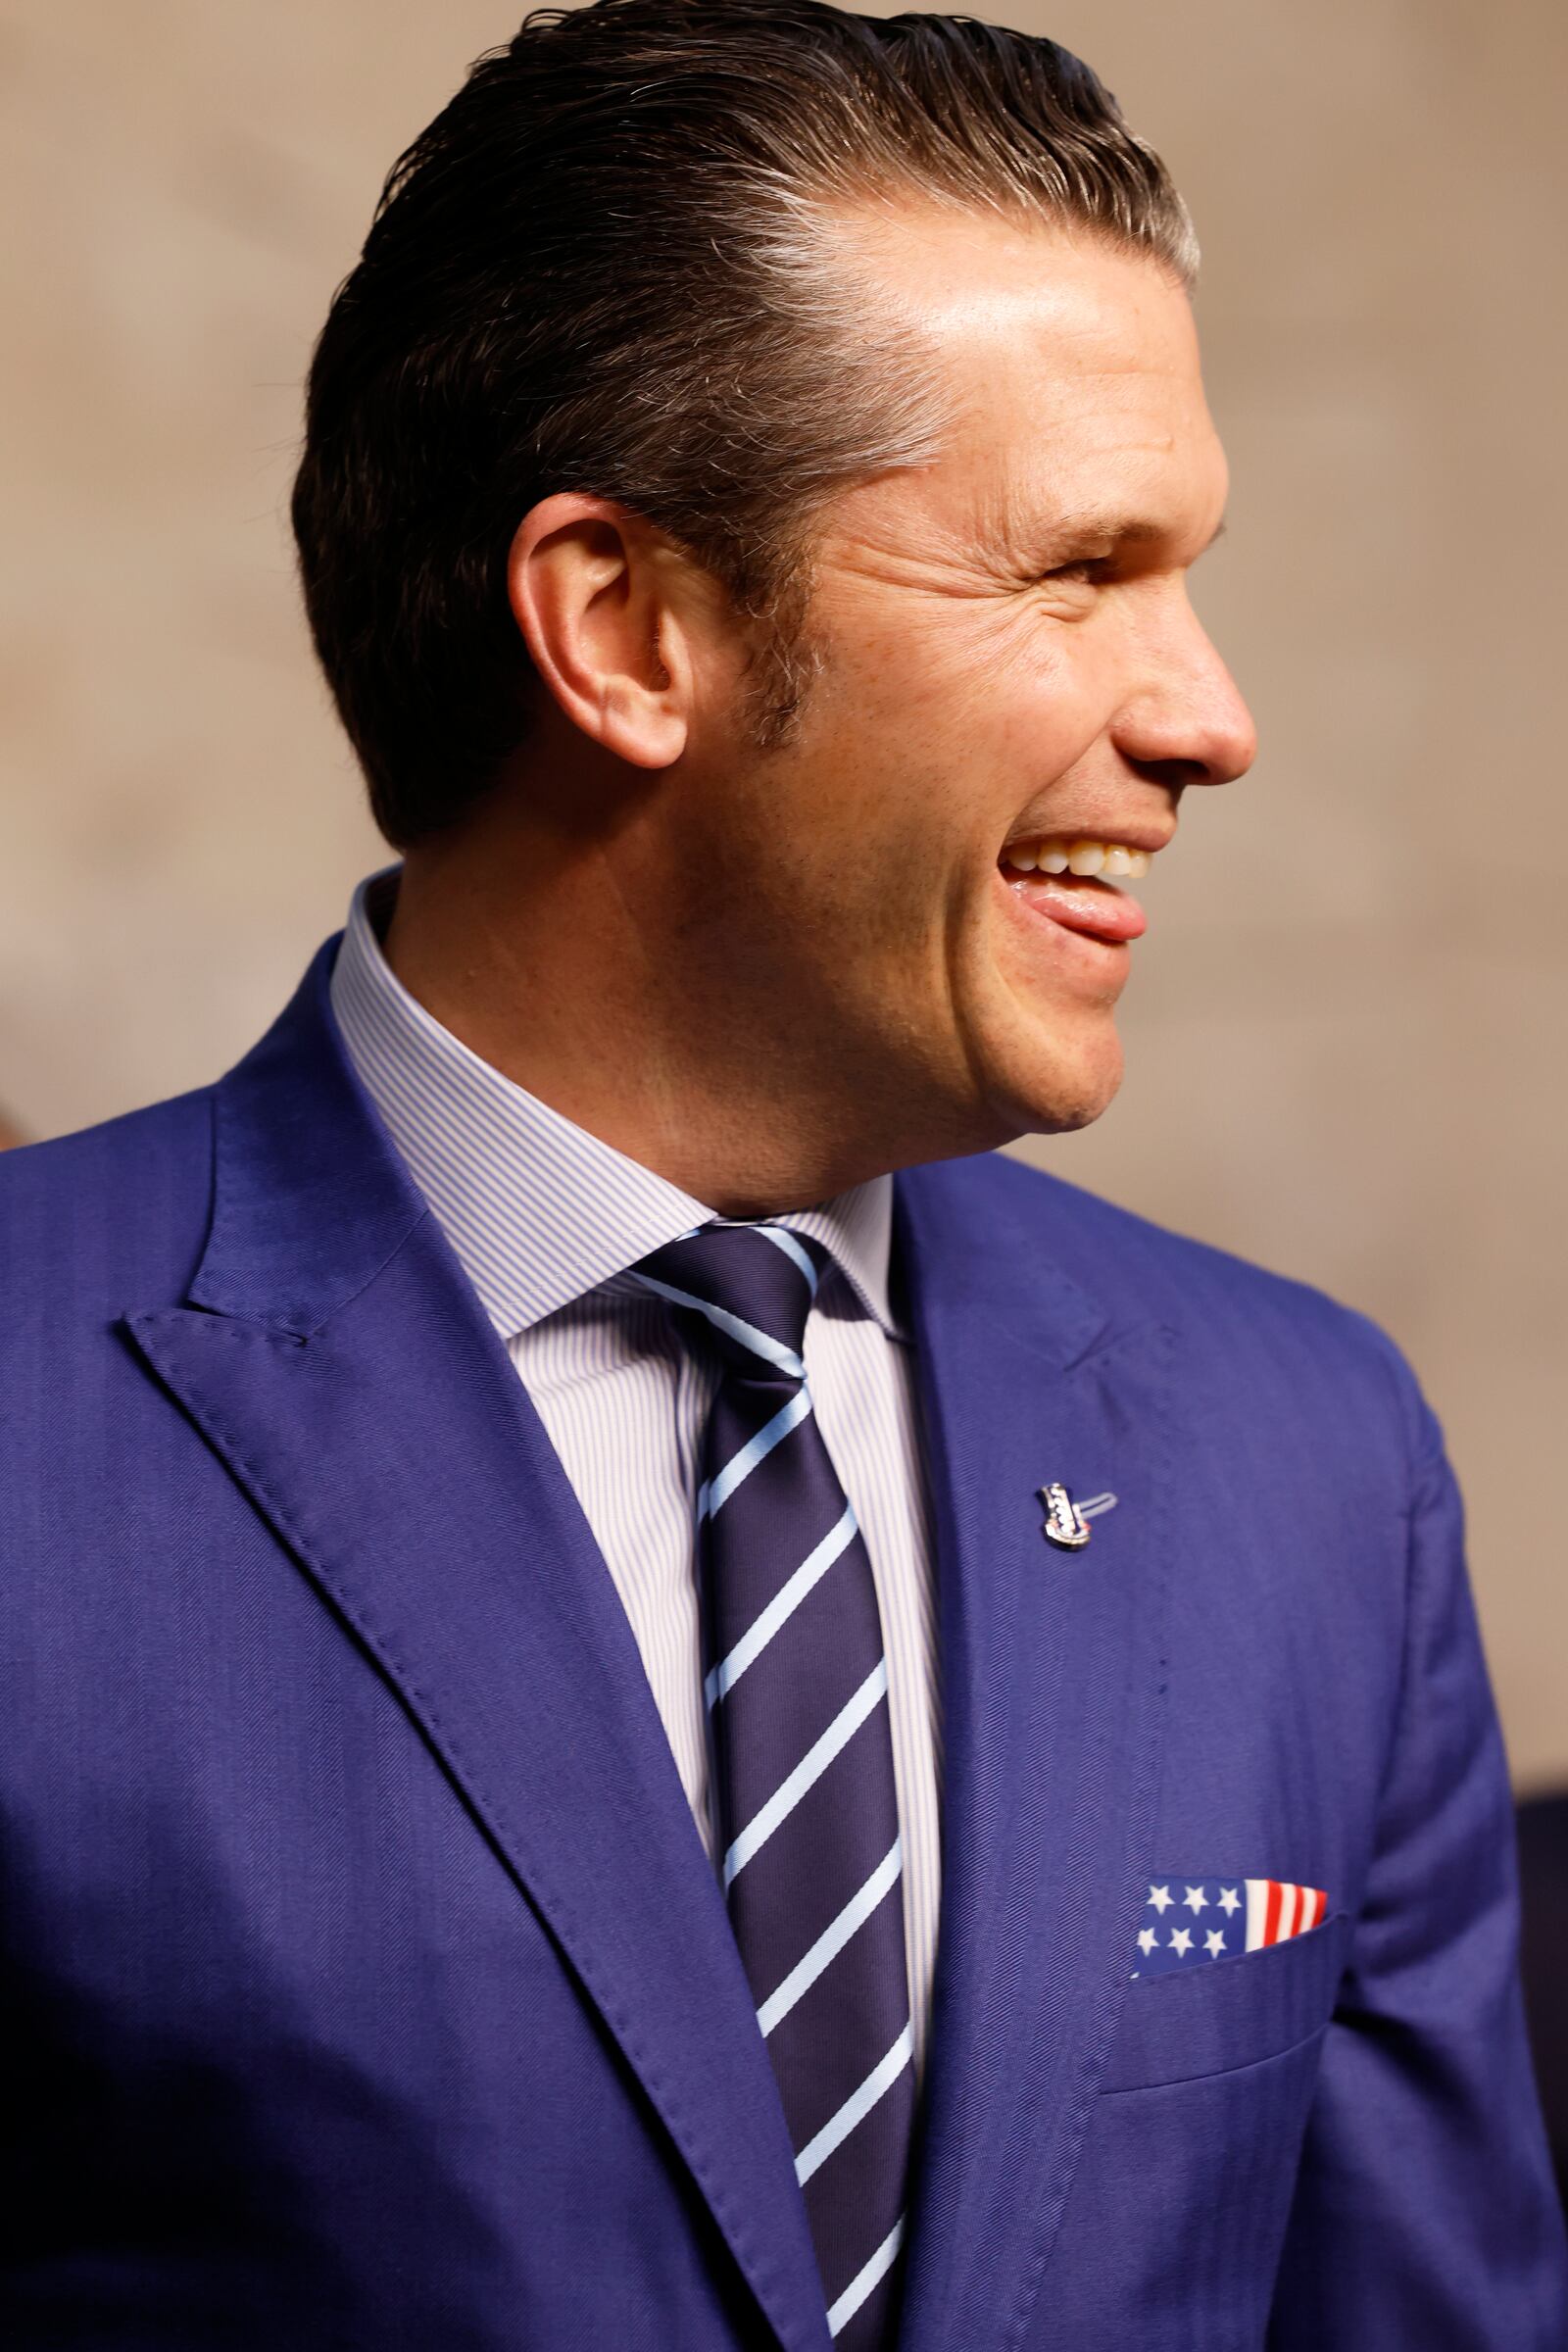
338	1361
1051	1683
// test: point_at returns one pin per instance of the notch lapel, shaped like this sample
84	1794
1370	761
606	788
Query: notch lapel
336	1358
1051	1686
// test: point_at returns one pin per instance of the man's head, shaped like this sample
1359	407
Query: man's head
749	485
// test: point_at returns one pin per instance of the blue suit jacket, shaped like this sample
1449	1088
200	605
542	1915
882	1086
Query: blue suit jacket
365	1981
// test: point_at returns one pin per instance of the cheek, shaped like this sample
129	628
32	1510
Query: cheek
1044	706
1005	699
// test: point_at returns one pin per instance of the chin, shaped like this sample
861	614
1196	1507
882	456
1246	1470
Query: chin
1065	1086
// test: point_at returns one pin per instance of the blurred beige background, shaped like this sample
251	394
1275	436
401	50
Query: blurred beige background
1345	1031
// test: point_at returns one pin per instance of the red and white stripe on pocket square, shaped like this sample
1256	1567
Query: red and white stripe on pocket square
1187	1922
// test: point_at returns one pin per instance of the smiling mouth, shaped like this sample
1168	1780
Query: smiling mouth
1071	881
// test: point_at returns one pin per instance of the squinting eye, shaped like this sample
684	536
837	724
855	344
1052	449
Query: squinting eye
1087	568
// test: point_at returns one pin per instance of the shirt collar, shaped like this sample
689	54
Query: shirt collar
539	1211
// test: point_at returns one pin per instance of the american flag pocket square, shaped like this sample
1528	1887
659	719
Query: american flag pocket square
1187	1922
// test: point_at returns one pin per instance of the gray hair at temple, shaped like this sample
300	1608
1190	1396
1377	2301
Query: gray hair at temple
614	264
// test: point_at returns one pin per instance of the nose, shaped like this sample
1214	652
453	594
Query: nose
1187	723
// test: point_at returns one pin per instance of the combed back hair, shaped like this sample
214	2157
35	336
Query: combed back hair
614	265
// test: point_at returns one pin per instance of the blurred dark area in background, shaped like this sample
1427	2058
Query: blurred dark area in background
1544	1882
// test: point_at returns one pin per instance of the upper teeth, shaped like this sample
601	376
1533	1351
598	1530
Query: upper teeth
1059	857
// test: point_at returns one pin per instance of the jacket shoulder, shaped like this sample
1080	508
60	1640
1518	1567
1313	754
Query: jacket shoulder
1274	1332
110	1218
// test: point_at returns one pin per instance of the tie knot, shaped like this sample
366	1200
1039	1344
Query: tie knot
748	1287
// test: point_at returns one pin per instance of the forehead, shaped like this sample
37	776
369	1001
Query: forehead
1071	369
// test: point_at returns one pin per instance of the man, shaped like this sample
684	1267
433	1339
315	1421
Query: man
648	1702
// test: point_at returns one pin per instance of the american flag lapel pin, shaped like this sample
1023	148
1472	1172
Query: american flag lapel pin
1066	1522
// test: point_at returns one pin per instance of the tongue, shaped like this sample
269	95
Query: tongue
1082	903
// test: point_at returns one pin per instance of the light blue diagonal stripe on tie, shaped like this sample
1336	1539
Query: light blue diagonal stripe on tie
855	2108
864	2279
718	1491
828	1945
808	1772
783	1605
746	1333
783	1239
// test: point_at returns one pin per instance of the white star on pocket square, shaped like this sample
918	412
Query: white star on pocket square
1187	1921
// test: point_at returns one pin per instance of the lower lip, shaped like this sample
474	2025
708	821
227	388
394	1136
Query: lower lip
1094	912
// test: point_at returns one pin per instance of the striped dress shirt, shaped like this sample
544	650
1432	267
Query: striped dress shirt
545	1219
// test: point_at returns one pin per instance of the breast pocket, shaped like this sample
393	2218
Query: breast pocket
1228	2013
1171	2232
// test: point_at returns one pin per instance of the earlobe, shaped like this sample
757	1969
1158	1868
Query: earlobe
587	588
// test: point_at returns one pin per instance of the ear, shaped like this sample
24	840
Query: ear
597	593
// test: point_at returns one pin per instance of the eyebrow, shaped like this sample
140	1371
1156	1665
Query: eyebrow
1087	528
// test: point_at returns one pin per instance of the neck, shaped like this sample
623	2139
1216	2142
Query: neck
537	950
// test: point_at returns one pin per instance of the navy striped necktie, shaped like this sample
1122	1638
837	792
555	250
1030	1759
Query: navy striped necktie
797	1691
